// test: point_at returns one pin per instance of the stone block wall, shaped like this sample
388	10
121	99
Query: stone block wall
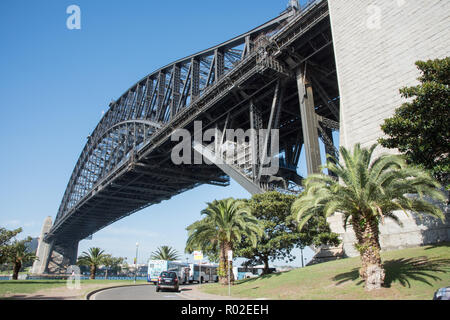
377	43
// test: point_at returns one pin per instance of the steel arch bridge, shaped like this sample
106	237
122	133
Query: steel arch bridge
280	75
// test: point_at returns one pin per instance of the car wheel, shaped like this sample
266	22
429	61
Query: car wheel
157	289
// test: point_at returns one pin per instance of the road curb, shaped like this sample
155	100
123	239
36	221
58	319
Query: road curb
90	294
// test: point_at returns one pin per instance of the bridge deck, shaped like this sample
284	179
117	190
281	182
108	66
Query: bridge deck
127	165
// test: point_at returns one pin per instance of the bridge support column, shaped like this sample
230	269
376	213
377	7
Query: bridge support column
62	256
253	141
53	257
309	122
43	249
229	169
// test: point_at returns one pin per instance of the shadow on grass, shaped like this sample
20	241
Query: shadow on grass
404	270
347	276
267	276
437	245
418	269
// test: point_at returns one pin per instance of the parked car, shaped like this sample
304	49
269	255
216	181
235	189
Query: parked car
442	294
168	280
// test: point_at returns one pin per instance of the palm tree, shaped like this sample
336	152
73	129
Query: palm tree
165	253
93	258
368	193
19	254
225	222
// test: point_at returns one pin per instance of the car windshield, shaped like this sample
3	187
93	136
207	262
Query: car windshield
168	275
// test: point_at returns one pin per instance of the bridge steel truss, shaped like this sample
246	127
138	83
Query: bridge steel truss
281	75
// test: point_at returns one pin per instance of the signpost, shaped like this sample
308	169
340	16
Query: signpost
198	255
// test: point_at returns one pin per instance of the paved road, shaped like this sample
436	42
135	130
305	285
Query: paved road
144	292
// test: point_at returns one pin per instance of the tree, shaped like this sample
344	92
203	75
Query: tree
420	127
112	263
165	253
18	254
225	223
124	268
281	234
93	258
5	241
368	193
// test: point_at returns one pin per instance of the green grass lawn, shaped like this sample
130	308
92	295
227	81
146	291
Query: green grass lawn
31	286
414	273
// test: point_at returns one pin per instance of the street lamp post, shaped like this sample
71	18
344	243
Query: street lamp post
135	262
230	259
301	250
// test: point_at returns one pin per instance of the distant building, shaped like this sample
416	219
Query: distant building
32	245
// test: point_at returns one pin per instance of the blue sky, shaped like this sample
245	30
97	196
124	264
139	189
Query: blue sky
55	83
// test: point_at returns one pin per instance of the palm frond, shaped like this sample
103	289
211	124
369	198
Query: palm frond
368	190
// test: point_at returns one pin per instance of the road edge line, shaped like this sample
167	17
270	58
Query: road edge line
90	294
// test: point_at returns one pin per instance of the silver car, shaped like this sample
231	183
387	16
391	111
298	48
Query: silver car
442	294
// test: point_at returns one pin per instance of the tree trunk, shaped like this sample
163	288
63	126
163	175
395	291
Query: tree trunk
372	271
16	269
266	265
225	266
93	271
223	279
229	246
